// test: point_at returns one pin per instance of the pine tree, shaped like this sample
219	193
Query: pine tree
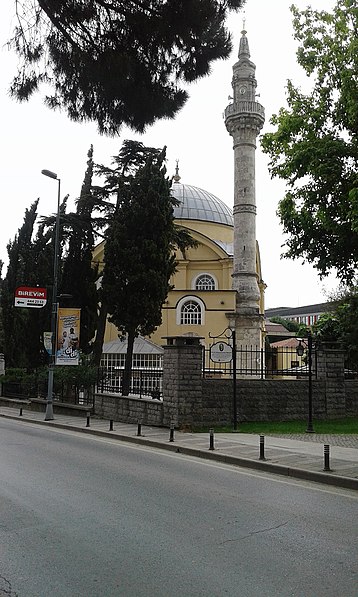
118	62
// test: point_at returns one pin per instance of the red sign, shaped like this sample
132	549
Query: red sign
26	296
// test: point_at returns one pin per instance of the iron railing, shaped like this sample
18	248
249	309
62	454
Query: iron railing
62	391
144	382
265	363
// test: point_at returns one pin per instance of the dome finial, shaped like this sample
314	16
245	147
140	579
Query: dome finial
176	176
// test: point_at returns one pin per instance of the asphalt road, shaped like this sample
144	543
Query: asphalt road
94	517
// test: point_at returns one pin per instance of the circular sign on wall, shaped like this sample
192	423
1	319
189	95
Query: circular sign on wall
221	352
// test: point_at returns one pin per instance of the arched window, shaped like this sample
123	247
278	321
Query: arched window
205	282
190	311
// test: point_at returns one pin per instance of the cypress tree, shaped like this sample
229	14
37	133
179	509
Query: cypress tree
138	254
79	275
21	326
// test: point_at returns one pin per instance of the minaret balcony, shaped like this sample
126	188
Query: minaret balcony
245	108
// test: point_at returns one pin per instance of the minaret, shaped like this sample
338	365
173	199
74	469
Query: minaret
244	119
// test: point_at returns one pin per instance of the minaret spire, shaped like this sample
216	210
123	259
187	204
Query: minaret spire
244	44
176	176
244	118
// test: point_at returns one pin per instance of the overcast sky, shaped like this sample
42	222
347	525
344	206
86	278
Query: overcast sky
34	138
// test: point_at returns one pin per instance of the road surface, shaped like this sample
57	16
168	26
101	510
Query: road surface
83	516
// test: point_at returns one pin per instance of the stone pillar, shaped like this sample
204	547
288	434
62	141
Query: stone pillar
182	381
244	118
330	370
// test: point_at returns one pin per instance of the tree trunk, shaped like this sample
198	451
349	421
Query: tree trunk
101	327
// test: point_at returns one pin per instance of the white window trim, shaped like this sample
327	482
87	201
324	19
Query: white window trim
184	300
193	284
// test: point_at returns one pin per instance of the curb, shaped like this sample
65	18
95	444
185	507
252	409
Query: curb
262	465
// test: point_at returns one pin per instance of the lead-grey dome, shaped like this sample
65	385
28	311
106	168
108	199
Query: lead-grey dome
197	204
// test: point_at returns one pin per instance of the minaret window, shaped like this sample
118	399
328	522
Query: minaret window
205	282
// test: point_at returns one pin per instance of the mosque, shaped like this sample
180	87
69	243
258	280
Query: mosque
218	284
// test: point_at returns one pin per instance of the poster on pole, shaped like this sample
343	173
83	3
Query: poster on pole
68	336
48	342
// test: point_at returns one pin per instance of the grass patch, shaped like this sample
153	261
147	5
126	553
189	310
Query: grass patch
338	426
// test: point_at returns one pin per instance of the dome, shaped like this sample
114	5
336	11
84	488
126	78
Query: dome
196	204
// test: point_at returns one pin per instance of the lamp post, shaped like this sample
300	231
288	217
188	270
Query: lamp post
300	351
49	404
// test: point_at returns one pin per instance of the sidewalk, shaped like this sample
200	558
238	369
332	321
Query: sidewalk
294	456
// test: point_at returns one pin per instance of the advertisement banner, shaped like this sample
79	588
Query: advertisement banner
48	342
68	336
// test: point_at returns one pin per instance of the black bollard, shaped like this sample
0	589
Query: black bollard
139	430
20	415
326	457
111	425
211	439
171	432
262	447
88	419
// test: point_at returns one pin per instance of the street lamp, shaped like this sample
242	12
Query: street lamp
300	350
49	404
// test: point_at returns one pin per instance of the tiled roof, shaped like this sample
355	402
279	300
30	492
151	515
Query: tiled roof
316	309
289	343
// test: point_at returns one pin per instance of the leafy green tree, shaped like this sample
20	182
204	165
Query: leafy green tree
327	328
314	147
341	325
118	62
289	324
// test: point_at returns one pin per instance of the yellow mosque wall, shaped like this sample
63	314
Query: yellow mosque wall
207	258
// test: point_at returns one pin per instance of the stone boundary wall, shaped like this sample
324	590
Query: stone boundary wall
261	400
127	409
351	389
189	400
257	400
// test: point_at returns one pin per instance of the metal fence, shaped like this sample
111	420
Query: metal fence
144	382
265	363
63	392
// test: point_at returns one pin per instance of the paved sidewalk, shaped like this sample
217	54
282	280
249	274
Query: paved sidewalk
293	455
